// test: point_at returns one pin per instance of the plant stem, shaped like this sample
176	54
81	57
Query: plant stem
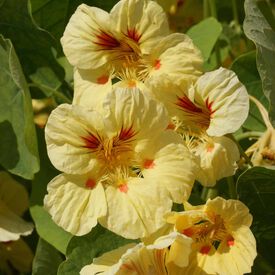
231	188
213	10
250	134
209	193
55	93
243	154
205	9
235	11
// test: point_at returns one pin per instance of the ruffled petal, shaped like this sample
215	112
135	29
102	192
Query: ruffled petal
76	202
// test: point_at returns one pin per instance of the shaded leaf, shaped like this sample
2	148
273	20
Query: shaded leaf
82	250
19	153
46	259
48	230
245	67
205	35
256	188
258	29
33	45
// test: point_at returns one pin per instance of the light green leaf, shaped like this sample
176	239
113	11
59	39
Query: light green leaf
258	29
46	259
205	35
256	188
48	230
19	153
245	67
82	250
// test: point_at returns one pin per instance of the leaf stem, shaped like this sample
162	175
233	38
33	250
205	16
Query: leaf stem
209	193
55	93
205	9
250	134
235	12
231	188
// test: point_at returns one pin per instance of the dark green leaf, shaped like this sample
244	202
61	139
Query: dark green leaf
257	28
256	188
46	259
205	35
48	230
33	45
19	153
245	67
82	250
53	15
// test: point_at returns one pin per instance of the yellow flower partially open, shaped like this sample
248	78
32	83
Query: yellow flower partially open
131	164
142	259
217	103
222	240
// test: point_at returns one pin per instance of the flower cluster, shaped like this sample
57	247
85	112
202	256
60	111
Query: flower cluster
145	123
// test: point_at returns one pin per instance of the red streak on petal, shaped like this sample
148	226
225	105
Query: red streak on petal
90	183
126	134
102	79
209	106
123	188
188	232
205	249
230	241
186	104
157	64
91	141
107	41
133	34
149	164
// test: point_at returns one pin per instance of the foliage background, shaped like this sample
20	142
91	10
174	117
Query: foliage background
235	34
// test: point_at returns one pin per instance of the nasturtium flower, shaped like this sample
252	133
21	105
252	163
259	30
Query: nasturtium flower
133	36
13	203
142	259
217	156
217	103
222	240
121	163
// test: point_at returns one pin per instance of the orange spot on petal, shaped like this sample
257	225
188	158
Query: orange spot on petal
230	241
205	249
188	232
149	164
157	64
90	183
171	126
102	79
209	149
123	188
132	83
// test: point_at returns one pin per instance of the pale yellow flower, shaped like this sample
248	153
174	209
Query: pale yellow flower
126	165
13	203
222	240
217	156
217	103
141	259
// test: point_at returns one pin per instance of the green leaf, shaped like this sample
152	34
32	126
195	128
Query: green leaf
53	15
245	67
256	188
19	153
82	250
205	35
48	230
33	45
258	29
46	259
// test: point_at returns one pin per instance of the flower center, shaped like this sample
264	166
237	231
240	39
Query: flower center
209	233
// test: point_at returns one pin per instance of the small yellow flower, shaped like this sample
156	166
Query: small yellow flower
141	259
222	240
